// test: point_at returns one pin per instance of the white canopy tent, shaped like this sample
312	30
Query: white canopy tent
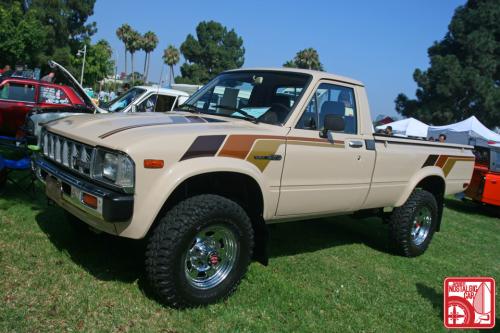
469	131
407	127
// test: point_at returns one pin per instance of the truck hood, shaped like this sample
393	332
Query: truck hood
100	129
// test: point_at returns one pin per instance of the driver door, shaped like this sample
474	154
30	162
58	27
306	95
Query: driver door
321	175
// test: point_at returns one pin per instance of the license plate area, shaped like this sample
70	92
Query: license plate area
53	188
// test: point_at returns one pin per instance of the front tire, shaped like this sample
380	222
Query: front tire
200	251
412	225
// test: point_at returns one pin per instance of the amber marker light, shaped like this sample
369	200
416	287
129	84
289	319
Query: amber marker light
153	164
89	200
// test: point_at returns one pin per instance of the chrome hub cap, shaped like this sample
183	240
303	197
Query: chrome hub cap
421	225
210	257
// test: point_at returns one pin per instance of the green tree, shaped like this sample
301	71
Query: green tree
215	49
98	62
306	59
171	57
22	36
48	29
464	74
149	43
133	45
123	33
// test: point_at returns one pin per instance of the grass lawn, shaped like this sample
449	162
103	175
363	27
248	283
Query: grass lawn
324	276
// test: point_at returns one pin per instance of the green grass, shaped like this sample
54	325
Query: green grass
324	276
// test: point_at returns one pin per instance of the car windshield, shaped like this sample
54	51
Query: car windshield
121	102
260	96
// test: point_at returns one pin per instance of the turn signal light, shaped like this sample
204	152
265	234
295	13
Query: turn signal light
89	200
153	164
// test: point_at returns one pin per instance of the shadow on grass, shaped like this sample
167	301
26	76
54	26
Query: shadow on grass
108	257
470	207
431	295
104	256
313	235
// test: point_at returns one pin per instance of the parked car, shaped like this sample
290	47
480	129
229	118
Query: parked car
147	99
137	99
251	147
19	96
485	184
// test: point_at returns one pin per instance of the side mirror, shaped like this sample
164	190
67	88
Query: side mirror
334	123
133	108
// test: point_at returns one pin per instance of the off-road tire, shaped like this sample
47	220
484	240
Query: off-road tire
401	223
172	237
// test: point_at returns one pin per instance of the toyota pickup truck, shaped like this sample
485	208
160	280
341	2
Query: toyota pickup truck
250	148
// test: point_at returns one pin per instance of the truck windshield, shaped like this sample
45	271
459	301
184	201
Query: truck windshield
263	96
120	103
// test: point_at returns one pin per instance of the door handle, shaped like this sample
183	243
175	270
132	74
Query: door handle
356	144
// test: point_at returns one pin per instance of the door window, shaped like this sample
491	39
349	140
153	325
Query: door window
164	103
52	95
18	92
330	99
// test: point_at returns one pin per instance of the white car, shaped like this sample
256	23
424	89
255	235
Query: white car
146	99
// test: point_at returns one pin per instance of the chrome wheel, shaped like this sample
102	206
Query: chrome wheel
421	225
210	257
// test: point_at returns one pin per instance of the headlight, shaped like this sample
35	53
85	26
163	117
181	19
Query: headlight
114	168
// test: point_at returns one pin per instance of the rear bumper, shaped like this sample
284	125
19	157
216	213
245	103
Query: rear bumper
112	206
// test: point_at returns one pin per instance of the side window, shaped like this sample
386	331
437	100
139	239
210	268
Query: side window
148	105
330	99
18	92
51	95
164	103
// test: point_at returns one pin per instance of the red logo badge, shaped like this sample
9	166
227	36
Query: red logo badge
469	302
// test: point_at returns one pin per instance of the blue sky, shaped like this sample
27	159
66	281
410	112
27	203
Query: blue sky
377	42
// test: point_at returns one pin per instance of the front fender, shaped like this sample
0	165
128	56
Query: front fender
158	184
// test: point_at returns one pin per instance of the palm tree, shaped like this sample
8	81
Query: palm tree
171	57
123	34
308	59
150	41
133	44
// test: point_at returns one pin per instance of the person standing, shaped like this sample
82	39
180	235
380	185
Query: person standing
442	138
49	77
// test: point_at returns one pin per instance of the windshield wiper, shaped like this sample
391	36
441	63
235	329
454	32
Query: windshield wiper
189	107
245	114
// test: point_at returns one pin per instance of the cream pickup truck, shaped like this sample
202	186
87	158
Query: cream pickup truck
250	148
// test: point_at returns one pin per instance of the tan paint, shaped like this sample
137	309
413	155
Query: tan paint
314	177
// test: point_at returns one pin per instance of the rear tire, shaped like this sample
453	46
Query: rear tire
412	225
200	251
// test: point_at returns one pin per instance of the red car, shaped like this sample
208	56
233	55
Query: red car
18	96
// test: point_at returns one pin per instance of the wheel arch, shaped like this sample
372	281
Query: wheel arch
432	181
240	187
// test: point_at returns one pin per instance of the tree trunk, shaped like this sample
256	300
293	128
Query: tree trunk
144	73
125	61
172	77
132	66
147	66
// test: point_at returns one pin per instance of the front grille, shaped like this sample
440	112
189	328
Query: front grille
74	155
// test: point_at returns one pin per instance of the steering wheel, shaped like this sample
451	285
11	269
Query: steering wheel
276	114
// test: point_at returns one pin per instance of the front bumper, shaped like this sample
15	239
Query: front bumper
67	190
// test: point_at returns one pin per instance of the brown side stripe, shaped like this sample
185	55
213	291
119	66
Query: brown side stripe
430	161
203	146
445	162
238	146
121	129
